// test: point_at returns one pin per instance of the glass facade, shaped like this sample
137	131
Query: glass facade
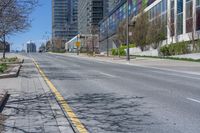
179	17
159	11
198	14
109	26
64	19
172	18
189	18
198	2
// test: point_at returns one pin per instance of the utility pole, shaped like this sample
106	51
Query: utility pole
93	31
107	39
127	40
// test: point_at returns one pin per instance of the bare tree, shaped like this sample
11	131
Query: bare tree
170	26
48	45
58	43
156	33
192	29
94	31
117	42
121	32
140	30
14	17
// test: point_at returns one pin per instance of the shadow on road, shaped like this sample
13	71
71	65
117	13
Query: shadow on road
109	113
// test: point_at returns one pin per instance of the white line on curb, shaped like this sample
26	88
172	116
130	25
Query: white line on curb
194	100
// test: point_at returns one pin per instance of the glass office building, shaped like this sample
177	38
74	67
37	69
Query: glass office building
64	19
90	13
181	14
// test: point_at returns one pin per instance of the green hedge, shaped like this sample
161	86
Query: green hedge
3	67
175	49
122	49
124	46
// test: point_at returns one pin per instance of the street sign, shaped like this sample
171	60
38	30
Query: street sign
78	44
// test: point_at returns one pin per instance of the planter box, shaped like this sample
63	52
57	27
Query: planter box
11	73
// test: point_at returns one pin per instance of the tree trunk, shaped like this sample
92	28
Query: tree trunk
4	46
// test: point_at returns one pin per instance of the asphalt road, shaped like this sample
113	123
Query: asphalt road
114	98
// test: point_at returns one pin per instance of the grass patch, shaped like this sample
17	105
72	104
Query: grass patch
171	58
3	67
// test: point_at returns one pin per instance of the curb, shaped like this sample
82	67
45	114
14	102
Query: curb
3	98
13	73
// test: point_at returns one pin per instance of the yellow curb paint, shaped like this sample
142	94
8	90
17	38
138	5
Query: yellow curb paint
74	119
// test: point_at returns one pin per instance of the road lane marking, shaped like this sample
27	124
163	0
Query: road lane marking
106	74
72	116
194	100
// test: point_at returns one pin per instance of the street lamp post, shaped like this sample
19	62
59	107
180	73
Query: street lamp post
127	40
107	38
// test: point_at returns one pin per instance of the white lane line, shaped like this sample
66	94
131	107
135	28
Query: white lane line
194	100
106	74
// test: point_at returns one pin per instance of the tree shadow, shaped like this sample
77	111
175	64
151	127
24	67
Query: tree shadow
34	109
109	113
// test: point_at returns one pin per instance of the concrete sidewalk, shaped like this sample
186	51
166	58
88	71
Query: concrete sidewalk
31	106
164	64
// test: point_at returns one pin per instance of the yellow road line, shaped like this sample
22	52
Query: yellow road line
74	119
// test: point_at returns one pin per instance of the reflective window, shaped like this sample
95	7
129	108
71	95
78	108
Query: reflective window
179	17
134	8
189	9
189	19
179	24
198	18
164	5
198	2
172	18
179	6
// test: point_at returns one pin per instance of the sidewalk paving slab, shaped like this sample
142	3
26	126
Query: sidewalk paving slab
31	106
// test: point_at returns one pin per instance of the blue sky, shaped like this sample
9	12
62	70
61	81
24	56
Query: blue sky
40	27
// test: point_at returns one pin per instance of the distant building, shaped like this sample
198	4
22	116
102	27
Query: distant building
31	47
7	49
64	20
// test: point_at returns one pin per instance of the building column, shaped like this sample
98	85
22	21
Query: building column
194	17
175	21
184	16
168	21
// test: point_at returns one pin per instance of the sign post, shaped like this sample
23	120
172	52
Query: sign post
78	44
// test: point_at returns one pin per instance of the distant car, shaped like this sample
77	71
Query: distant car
40	51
